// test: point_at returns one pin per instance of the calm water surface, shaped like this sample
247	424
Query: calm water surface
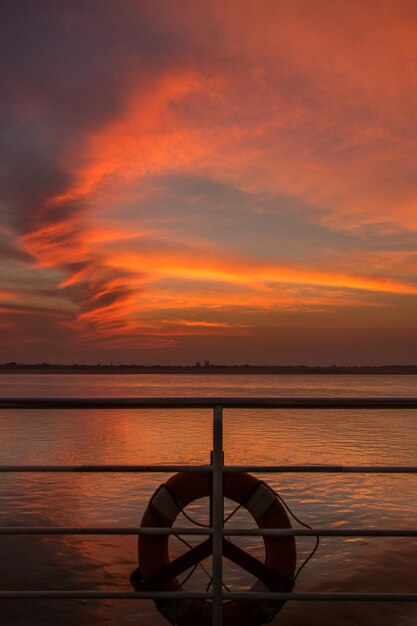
184	436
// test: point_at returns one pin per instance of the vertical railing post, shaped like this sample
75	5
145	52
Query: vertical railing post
217	515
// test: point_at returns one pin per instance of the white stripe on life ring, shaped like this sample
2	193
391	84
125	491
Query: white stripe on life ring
164	502
260	500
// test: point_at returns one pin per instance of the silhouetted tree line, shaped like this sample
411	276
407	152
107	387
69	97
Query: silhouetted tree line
213	368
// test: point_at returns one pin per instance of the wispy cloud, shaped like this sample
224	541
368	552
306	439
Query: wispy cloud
286	110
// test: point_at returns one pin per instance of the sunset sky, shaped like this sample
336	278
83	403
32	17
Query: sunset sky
189	179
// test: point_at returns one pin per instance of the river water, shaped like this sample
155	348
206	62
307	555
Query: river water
184	436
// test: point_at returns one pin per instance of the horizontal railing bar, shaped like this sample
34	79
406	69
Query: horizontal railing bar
192	403
348	469
73	530
269	469
232	532
320	532
157	469
105	595
177	595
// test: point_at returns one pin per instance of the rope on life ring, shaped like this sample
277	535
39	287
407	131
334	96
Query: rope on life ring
157	573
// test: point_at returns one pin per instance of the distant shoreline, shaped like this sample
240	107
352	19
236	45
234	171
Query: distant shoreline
207	370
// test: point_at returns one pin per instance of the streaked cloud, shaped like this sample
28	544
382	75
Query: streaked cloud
177	172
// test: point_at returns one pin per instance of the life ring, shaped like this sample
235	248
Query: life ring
157	573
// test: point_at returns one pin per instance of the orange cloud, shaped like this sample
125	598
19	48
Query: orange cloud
7	296
258	275
345	106
148	301
56	244
201	324
311	104
149	137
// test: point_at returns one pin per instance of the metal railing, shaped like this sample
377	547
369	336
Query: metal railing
217	468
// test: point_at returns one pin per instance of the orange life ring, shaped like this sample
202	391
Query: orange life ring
276	574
